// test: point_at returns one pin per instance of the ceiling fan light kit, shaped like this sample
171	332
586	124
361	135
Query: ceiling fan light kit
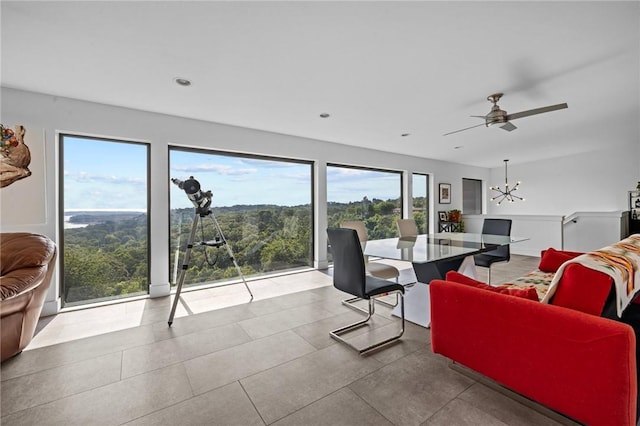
506	194
500	116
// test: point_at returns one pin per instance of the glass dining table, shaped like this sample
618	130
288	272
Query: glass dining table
432	256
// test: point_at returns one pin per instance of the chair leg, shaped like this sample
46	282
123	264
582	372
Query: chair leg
349	303
489	282
336	334
390	305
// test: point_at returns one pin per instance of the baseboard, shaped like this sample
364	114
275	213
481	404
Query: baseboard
321	264
49	308
159	290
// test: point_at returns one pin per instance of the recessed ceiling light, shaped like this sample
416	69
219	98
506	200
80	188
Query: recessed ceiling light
325	115
183	81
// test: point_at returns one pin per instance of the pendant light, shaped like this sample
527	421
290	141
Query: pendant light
507	193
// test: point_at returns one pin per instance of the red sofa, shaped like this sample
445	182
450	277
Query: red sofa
579	364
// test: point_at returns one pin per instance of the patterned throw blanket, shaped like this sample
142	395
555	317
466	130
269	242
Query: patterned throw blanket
621	261
537	279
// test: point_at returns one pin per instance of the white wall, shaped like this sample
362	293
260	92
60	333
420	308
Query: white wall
595	181
587	231
583	231
541	231
56	114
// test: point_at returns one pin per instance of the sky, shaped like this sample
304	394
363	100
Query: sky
112	176
238	180
104	176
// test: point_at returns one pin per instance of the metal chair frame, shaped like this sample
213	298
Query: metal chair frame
350	277
336	334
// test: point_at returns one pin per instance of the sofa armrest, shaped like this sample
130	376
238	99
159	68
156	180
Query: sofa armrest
19	250
27	263
21	281
578	364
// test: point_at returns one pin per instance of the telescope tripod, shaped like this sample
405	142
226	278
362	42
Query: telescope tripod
218	242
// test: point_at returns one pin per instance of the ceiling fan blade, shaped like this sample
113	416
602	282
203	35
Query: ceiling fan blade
508	127
462	130
479	116
536	111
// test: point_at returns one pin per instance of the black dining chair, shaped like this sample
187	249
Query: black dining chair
350	277
377	269
500	254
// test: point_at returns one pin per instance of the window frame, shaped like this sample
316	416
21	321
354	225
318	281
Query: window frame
61	209
213	151
400	173
427	210
478	201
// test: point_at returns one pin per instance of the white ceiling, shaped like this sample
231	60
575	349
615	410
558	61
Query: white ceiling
380	69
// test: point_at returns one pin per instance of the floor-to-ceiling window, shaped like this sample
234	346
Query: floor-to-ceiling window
420	195
369	195
104	198
263	207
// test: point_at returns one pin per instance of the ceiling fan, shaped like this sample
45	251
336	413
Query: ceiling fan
499	116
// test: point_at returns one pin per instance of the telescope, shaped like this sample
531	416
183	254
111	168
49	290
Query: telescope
201	200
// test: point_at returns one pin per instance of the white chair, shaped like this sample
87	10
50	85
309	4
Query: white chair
377	269
407	227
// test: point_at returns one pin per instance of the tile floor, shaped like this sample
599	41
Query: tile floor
228	361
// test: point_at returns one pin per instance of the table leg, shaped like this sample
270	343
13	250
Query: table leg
425	272
417	304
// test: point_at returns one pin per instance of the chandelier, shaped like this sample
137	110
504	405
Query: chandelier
507	193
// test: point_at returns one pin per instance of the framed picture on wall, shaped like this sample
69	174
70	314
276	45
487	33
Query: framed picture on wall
445	193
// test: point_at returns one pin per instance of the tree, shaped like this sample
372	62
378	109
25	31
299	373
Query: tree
384	208
421	222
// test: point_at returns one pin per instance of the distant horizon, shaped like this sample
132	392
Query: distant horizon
106	210
76	210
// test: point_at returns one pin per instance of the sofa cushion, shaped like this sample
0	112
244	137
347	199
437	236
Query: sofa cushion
526	293
536	279
551	259
582	289
24	250
20	281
